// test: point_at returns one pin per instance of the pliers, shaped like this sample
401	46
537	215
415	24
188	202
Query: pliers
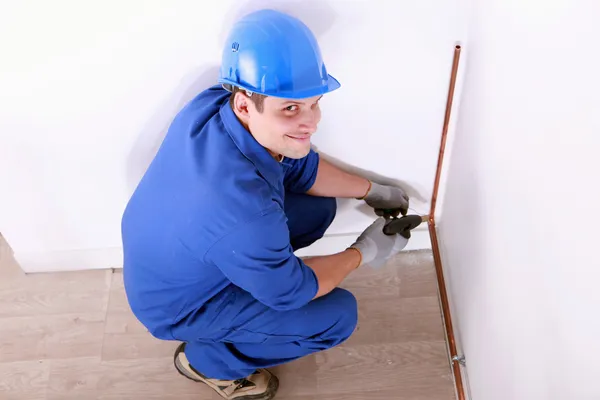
402	225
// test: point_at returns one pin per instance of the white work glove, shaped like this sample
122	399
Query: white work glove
387	200
376	247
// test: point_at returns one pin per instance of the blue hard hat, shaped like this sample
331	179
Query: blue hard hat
274	54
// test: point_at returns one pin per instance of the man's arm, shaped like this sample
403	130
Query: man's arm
256	255
331	181
373	247
331	270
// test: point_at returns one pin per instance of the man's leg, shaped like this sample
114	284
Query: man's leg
259	337
242	335
308	217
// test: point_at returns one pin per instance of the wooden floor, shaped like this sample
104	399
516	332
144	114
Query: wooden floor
72	336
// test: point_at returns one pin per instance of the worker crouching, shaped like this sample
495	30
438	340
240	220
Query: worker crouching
235	189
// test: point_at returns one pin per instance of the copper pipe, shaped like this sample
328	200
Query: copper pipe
438	172
433	235
446	310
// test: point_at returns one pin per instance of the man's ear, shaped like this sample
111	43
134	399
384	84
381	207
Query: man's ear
241	103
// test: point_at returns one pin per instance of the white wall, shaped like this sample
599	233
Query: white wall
519	227
89	89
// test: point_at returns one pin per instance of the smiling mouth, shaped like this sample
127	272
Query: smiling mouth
300	138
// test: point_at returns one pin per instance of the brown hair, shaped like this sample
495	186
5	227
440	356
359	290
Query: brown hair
256	98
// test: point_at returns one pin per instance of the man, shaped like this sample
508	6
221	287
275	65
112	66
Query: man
210	232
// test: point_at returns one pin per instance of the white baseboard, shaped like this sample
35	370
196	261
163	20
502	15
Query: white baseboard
112	257
330	244
70	260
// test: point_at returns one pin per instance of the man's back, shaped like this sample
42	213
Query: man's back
182	204
208	182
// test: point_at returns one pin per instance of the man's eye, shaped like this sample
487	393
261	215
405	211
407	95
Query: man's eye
291	108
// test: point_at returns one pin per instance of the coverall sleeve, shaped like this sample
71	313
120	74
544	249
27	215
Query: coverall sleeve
257	257
301	174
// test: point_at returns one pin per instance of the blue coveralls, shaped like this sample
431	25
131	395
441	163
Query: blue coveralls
208	238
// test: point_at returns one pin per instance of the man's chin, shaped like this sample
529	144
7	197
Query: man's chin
297	153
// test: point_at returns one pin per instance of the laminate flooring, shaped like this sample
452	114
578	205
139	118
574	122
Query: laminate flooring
72	336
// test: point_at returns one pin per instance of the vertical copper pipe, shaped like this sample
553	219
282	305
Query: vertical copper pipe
433	234
446	310
438	172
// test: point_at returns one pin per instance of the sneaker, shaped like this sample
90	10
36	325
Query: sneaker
261	385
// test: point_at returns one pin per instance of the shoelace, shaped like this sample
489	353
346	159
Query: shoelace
240	383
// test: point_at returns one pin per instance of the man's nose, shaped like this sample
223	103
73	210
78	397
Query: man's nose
309	122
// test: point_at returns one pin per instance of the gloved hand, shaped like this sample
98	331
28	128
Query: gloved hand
376	247
386	197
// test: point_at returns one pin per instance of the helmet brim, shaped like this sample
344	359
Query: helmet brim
332	84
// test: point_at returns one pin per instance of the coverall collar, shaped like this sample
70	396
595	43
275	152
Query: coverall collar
267	166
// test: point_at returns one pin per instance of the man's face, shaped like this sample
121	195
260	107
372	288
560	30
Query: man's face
285	126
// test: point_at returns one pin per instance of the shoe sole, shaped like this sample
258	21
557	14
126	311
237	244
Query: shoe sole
268	395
